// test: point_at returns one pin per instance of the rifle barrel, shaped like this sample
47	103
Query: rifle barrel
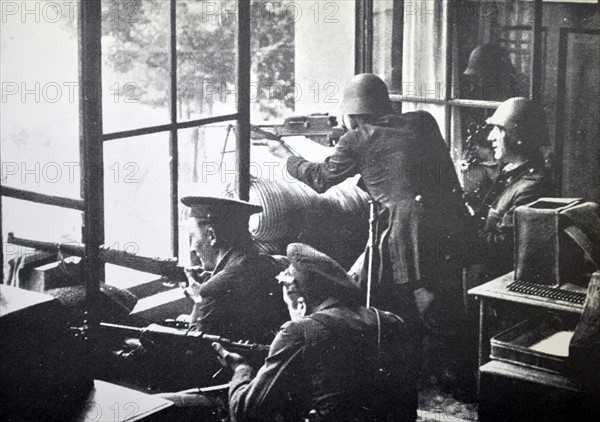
164	267
119	327
156	331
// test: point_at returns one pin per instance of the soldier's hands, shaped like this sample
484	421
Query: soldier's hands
278	149
424	299
196	276
226	358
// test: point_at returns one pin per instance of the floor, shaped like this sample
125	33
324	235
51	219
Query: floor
438	406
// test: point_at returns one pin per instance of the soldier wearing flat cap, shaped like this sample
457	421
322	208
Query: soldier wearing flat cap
234	289
334	361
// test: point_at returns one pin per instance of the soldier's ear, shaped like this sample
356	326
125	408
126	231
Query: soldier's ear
212	236
302	307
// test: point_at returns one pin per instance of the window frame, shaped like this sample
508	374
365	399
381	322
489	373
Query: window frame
364	63
92	137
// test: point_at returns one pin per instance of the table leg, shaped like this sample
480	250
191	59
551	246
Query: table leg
484	337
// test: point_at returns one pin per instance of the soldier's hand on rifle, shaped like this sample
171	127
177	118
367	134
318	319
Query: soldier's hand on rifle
226	358
278	149
424	299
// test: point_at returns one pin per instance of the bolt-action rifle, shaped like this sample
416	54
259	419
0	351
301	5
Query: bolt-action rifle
166	267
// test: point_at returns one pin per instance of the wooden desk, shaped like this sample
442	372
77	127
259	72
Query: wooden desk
495	292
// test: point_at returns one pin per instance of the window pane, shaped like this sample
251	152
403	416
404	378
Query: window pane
387	47
324	59
136	64
136	183
493	50
206	166
272	94
207	157
475	150
437	111
424	50
40	222
40	97
206	58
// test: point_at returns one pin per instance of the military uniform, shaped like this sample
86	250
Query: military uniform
405	165
519	186
242	300
342	362
322	365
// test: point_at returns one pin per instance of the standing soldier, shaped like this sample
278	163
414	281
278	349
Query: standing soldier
405	167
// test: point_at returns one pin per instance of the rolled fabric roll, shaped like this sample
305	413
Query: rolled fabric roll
335	222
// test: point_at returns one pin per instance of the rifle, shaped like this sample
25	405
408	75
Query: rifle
321	128
164	267
155	334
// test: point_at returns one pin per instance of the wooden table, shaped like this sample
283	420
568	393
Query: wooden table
495	292
509	391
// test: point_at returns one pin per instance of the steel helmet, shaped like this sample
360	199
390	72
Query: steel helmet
488	61
524	120
366	93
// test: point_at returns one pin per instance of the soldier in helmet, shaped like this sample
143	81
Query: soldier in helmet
406	167
490	74
519	131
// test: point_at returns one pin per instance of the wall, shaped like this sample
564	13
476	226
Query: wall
577	129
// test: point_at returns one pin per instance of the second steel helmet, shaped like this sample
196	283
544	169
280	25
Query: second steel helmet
524	120
366	93
488	60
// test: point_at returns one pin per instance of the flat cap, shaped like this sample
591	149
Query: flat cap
320	274
213	209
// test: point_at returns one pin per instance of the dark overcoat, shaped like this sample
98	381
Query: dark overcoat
405	166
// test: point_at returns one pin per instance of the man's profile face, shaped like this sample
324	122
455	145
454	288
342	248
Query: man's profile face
498	138
291	294
203	243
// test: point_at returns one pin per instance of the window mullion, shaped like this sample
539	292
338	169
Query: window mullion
173	138
91	148
243	123
536	57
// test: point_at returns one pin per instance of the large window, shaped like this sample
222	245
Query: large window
39	117
168	88
458	59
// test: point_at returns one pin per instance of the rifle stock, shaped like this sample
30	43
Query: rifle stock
164	267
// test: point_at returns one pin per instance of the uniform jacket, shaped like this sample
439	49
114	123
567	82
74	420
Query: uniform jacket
242	299
405	165
325	364
519	186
